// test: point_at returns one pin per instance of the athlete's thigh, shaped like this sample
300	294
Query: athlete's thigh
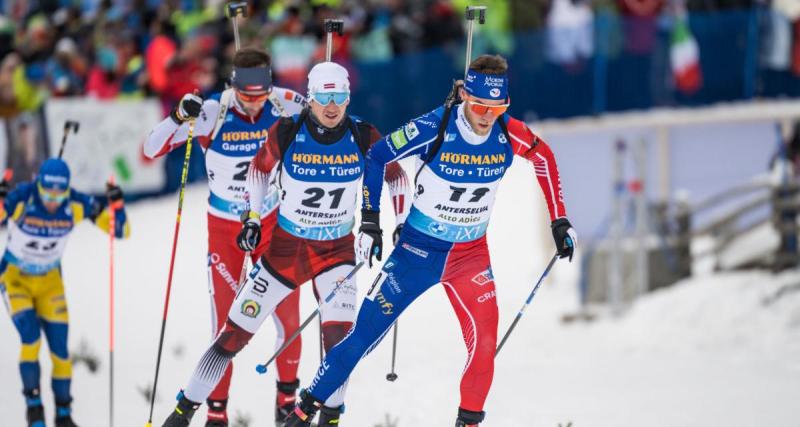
225	261
257	298
17	294
287	258
50	301
337	296
470	286
402	279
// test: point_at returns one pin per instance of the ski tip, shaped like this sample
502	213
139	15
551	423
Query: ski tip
261	369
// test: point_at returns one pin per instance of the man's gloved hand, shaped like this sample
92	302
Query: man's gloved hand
188	108
565	237
369	240
114	194
250	235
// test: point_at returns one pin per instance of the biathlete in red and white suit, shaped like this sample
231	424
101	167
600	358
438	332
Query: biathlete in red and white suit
319	156
230	127
444	238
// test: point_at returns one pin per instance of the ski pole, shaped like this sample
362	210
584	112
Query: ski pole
234	10
392	376
471	13
184	174
68	125
112	226
528	301
262	368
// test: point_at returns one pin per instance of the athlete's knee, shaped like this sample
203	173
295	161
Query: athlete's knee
30	352
28	326
62	368
231	339
334	332
57	338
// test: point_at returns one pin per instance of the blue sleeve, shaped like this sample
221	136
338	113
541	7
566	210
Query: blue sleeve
95	209
414	138
19	194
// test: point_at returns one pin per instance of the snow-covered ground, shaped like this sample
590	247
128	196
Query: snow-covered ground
718	350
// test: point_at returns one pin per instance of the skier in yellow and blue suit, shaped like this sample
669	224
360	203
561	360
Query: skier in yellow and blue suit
40	216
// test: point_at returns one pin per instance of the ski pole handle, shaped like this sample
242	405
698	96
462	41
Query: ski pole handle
471	13
233	11
331	26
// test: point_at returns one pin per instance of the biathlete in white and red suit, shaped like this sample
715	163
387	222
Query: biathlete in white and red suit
230	127
464	155
318	157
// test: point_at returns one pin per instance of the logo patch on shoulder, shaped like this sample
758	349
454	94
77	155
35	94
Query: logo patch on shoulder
502	138
483	277
300	137
411	130
398	139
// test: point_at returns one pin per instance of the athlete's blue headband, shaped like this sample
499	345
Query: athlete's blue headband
486	86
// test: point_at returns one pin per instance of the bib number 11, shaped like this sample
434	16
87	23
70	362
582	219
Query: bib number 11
477	194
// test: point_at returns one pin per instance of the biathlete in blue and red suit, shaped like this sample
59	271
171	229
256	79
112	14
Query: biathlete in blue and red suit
317	159
464	156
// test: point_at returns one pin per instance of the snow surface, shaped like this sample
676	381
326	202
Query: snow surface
721	350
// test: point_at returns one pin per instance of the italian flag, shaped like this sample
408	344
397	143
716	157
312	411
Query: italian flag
685	58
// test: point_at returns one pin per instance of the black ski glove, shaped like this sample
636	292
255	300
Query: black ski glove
250	235
369	241
565	238
188	108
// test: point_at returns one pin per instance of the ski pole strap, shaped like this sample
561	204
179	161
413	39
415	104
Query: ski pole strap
528	301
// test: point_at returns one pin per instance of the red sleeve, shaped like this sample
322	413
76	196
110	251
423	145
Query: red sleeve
374	135
528	145
268	155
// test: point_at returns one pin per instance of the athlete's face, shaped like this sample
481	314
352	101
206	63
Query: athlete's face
252	103
330	114
481	113
52	199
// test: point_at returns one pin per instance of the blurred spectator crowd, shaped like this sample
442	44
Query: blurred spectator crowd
136	48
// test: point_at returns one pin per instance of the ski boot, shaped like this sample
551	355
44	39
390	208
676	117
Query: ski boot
183	413
35	411
329	417
64	415
304	412
469	418
285	400
217	413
